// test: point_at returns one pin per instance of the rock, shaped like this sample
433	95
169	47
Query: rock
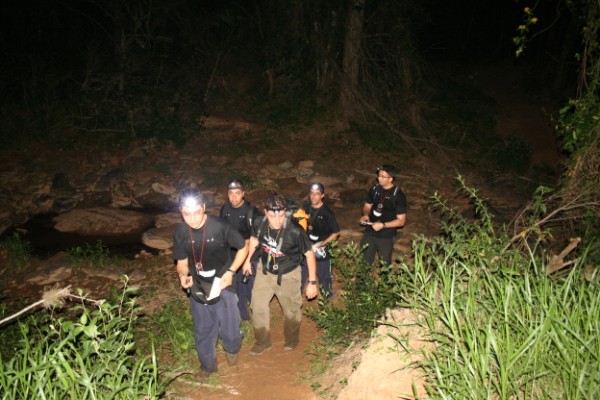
162	188
172	218
60	184
159	238
306	164
55	269
111	272
102	221
327	181
110	179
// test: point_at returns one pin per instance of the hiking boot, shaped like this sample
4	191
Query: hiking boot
290	347
231	358
256	349
203	375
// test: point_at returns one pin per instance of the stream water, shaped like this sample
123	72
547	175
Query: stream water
45	241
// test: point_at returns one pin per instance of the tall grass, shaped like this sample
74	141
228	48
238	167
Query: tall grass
500	327
16	252
90	356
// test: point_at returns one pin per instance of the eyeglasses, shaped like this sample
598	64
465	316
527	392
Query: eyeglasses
383	176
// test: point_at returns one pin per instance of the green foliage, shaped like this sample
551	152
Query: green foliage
89	357
16	251
578	123
97	254
171	328
366	293
523	29
497	322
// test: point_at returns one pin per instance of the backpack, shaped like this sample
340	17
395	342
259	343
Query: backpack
298	213
289	218
393	197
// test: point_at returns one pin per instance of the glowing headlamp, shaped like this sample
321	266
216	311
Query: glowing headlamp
190	202
317	186
235	184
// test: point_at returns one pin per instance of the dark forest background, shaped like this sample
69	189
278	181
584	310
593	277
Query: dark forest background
138	69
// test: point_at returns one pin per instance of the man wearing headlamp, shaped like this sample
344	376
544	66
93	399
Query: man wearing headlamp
322	230
240	215
383	212
283	245
202	249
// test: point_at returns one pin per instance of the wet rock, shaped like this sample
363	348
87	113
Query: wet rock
111	272
172	218
55	269
155	201
60	184
163	188
102	221
62	204
159	238
109	179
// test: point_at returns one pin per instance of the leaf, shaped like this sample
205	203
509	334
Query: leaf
91	331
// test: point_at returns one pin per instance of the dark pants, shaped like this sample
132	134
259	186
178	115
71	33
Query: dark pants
214	320
383	246
244	292
324	276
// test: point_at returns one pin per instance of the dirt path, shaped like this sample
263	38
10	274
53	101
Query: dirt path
276	374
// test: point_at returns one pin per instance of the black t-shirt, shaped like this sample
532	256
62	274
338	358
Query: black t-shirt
212	245
293	239
321	222
386	205
240	218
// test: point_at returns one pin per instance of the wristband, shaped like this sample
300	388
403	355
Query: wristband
384	224
312	282
230	270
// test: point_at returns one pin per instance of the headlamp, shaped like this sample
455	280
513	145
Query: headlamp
190	202
317	186
276	209
235	184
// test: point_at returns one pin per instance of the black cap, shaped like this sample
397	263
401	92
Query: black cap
235	184
390	169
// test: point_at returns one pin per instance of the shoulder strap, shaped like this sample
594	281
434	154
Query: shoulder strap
249	215
261	226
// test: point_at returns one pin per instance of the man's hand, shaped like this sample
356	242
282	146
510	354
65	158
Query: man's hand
247	268
226	279
185	281
311	291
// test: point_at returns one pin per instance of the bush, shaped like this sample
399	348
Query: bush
89	357
16	251
497	320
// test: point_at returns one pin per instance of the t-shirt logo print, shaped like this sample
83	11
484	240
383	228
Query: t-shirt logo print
270	247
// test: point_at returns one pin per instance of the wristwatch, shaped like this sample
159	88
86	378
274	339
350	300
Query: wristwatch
312	282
